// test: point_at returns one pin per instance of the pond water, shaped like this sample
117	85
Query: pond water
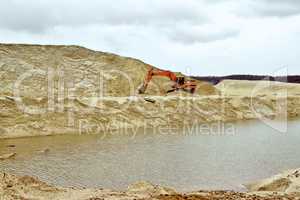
183	161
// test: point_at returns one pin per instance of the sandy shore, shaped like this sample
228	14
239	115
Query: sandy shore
280	187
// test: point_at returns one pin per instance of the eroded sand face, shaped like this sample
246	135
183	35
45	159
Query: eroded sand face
50	90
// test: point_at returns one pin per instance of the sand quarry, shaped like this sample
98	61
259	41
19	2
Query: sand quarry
52	90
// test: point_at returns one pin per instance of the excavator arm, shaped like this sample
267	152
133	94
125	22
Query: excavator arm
156	72
179	82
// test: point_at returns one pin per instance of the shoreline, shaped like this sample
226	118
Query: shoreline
281	186
177	112
116	132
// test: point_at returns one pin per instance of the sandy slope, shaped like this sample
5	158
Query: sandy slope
59	92
14	188
134	112
258	88
47	90
287	182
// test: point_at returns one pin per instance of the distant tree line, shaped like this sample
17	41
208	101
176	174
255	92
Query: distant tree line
217	79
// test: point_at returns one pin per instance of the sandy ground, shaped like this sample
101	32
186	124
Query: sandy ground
25	187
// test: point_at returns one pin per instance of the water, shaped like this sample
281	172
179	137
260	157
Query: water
185	162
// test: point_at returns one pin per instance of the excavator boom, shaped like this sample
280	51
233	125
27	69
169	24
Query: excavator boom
180	83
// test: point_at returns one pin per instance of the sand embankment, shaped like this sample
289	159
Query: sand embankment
286	182
14	187
50	90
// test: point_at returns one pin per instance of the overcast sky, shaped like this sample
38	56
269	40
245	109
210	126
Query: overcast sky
203	37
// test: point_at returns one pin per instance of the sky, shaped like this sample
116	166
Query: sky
199	37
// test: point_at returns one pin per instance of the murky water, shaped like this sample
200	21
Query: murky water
185	162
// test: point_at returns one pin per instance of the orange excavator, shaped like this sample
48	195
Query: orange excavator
179	82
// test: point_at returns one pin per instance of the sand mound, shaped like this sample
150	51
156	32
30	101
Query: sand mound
84	70
287	182
150	189
50	90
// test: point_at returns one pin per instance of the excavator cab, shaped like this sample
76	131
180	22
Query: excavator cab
180	80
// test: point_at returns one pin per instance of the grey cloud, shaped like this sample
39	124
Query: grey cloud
272	8
17	16
174	19
215	1
38	16
292	2
198	36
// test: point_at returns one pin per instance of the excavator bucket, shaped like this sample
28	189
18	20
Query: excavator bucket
141	89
